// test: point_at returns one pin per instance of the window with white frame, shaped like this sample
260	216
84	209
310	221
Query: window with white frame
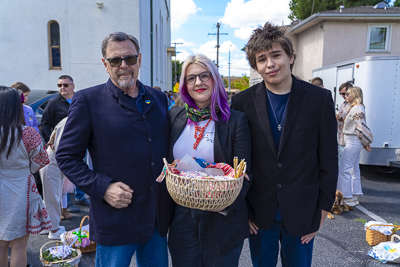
379	36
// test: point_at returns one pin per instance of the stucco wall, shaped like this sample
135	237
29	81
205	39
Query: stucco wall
83	26
309	51
353	41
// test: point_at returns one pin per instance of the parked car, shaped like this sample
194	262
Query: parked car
39	105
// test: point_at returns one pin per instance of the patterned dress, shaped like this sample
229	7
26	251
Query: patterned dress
22	210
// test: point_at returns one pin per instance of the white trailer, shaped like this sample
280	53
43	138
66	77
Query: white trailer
379	78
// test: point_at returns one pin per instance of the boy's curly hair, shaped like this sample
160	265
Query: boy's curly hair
264	37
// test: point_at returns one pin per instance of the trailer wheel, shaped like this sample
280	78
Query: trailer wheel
387	169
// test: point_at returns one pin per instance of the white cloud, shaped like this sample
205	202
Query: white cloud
180	11
245	16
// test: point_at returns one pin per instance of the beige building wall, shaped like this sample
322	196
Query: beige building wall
353	41
309	50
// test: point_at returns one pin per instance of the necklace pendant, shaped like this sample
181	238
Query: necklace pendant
279	127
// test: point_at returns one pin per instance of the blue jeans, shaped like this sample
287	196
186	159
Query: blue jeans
78	195
153	253
192	242
264	248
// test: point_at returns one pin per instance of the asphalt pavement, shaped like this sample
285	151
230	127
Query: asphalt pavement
340	242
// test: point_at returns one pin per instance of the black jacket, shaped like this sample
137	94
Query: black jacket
302	175
55	111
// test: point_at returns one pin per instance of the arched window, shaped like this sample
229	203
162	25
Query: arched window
54	45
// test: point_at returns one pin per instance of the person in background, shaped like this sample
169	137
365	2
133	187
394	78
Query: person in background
294	156
124	125
318	82
30	118
55	111
349	182
22	211
341	116
206	128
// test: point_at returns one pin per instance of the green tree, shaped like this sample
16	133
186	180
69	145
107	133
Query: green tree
177	71
241	84
396	3
302	9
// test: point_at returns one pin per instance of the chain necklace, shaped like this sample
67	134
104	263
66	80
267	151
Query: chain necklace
199	133
273	111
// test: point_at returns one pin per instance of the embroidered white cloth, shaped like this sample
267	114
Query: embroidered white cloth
386	230
385	251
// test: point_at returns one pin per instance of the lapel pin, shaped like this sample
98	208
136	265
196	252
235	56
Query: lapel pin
147	101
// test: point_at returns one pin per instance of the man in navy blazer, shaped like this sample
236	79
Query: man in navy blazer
294	153
124	125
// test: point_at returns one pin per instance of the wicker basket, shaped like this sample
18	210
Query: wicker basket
92	245
203	194
72	261
374	237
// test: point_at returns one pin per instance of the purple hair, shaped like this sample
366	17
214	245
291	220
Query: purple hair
219	96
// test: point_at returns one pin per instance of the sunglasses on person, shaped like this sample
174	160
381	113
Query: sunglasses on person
204	76
66	85
342	94
117	61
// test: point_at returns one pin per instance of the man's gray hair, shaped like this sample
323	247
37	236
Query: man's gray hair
118	37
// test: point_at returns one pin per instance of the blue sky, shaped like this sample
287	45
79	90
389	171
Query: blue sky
193	20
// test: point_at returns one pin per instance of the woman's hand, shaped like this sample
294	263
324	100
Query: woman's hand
253	228
368	148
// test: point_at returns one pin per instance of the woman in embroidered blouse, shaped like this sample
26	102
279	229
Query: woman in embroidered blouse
349	182
22	211
206	128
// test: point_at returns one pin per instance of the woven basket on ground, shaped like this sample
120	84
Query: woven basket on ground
374	237
72	261
203	194
92	245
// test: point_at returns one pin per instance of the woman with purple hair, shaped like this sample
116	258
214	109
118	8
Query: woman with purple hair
206	128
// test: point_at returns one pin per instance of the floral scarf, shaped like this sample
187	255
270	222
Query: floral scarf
198	114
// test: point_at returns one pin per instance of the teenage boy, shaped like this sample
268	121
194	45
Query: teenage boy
294	153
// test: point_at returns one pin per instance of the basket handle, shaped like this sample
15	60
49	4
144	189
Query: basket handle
395	226
83	219
393	236
165	162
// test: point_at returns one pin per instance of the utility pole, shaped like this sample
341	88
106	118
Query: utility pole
175	62
218	33
229	73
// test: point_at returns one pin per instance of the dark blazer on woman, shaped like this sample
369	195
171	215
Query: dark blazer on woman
231	139
302	175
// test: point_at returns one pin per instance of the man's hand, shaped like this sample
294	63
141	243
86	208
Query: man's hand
118	195
253	228
307	238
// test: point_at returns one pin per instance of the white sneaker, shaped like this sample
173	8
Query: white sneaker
349	202
355	198
57	234
44	232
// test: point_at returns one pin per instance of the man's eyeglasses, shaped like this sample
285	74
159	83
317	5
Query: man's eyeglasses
342	94
204	76
66	85
129	60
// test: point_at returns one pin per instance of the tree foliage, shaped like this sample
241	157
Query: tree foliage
396	3
241	84
302	9
177	71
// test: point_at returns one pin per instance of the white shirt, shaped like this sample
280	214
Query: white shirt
185	142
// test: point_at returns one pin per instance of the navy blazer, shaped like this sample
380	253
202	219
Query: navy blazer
125	145
231	139
302	175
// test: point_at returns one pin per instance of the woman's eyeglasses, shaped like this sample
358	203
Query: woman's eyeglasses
129	60
204	76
